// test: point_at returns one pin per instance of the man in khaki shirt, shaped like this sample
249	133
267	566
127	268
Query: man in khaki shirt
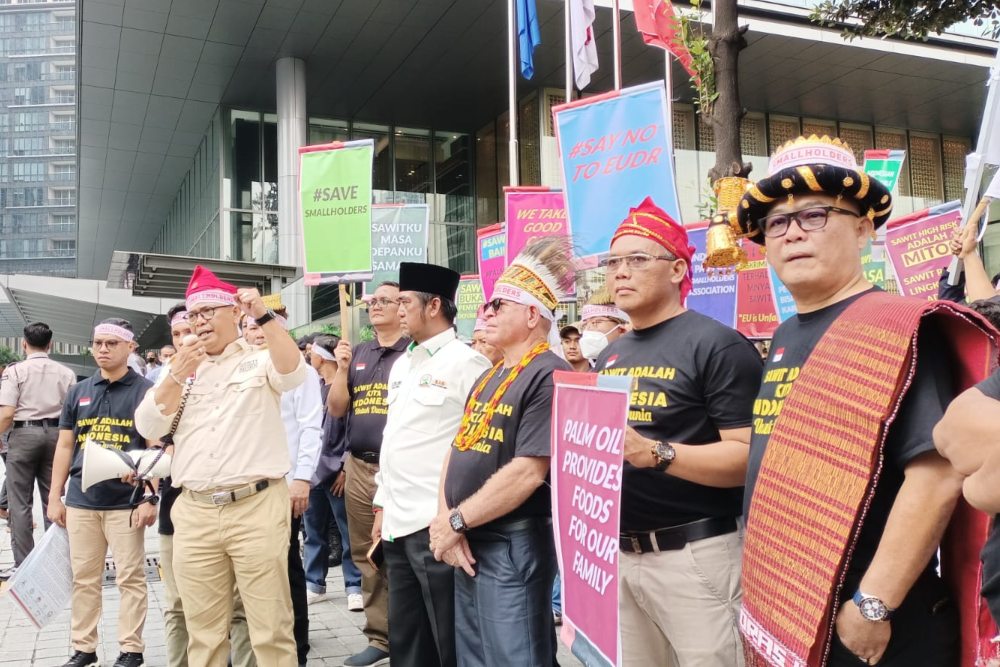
31	399
230	458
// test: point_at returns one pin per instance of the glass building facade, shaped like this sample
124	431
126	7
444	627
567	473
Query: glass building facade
38	179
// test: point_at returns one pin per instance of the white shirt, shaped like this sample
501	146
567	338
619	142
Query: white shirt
302	415
428	387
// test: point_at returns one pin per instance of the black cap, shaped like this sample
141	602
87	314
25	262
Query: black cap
429	278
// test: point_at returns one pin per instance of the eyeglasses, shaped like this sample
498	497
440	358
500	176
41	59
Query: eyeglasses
810	219
637	261
382	301
207	314
109	344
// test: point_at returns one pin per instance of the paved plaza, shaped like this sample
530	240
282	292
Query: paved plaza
334	632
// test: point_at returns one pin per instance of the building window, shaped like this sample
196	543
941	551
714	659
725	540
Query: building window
413	160
64	197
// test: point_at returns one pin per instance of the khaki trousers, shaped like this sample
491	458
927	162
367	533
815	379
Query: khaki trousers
359	492
245	544
680	608
91	532
174	629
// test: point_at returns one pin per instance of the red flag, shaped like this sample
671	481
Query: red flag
657	23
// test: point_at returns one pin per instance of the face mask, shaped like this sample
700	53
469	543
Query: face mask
592	343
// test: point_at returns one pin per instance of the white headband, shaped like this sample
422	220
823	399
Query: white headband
590	311
179	318
508	292
322	353
105	329
210	296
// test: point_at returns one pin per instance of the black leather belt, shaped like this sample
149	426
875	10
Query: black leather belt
367	457
37	422
676	537
489	532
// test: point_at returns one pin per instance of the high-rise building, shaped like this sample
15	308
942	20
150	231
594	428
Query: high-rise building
38	178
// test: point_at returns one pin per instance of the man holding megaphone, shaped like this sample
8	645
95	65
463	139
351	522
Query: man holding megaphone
101	510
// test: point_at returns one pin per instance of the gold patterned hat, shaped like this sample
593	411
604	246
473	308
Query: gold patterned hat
542	272
813	164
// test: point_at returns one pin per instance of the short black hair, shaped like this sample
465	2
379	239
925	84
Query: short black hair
38	335
119	322
326	341
988	308
306	340
448	307
388	283
178	308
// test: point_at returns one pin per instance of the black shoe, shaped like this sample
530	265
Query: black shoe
370	657
7	574
81	659
129	660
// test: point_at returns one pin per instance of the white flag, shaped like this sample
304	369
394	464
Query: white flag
993	191
581	17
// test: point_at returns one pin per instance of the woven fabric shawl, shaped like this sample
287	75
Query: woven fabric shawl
820	470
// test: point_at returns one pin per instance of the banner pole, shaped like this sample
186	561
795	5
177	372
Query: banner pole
345	315
616	34
569	51
512	90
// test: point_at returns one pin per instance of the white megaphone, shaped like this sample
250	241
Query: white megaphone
100	464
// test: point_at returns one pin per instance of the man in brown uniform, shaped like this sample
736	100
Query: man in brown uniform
31	398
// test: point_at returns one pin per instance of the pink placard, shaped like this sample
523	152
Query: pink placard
588	433
491	244
918	246
533	214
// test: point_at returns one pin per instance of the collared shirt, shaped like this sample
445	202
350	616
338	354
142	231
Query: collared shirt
302	414
103	411
367	382
428	387
231	431
36	387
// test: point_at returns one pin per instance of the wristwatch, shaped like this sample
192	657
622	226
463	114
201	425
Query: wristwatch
457	521
265	318
663	455
872	608
152	500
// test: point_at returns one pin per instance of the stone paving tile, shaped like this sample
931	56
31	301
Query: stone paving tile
334	634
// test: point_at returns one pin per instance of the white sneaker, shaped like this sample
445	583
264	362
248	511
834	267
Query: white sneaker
355	602
312	597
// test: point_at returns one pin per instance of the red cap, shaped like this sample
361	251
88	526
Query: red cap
651	222
205	287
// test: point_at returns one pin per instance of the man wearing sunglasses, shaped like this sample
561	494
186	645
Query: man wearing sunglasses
232	519
686	449
359	392
846	498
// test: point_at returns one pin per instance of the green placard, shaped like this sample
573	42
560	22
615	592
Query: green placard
336	193
468	301
885	165
873	264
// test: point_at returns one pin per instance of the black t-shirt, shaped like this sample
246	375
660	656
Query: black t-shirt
909	435
693	378
368	382
521	426
106	412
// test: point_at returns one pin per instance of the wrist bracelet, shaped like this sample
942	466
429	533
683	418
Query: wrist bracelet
173	377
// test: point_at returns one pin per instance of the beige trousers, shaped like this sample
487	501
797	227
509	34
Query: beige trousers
174	629
91	532
243	544
680	608
359	492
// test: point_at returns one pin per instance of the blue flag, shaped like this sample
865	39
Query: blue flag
529	35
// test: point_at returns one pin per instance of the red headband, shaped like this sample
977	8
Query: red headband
651	222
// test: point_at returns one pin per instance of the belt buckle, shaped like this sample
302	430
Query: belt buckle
636	545
221	498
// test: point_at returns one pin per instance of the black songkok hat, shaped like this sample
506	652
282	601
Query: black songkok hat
429	278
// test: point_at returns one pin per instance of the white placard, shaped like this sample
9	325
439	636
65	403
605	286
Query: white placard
43	583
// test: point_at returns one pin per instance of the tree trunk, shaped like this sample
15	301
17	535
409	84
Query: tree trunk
725	45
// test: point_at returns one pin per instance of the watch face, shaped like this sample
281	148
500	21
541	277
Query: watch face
873	609
456	522
665	452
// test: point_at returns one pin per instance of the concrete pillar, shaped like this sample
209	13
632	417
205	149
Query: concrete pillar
290	86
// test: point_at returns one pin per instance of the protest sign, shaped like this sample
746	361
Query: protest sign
919	247
712	294
532	213
615	151
756	316
399	234
335	188
589	415
885	165
468	301
784	304
43	583
873	264
491	243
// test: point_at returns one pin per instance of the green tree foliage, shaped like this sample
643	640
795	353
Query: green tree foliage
8	356
906	19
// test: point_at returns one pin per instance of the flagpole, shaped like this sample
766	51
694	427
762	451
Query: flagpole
512	90
616	34
569	52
